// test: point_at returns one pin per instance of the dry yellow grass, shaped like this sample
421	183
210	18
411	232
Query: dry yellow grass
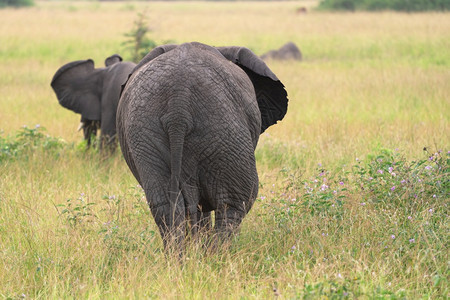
368	81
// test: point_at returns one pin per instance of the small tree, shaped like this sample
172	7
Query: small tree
138	43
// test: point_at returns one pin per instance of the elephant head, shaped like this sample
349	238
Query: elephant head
188	123
92	93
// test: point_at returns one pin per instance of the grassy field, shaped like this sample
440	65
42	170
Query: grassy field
350	204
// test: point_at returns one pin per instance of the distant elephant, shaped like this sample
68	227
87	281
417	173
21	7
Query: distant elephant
93	93
188	122
286	52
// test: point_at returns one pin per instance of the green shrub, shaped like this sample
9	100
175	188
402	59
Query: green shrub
385	180
138	43
26	141
373	5
16	3
337	5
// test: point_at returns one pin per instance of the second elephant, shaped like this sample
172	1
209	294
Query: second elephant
93	93
286	52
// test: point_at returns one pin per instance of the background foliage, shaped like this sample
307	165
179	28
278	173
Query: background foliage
350	204
16	3
398	5
138	43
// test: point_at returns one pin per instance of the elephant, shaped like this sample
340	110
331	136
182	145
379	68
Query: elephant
93	93
188	122
286	52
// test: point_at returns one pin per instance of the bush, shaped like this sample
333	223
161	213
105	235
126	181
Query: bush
138	43
16	3
337	5
385	180
388	179
374	5
26	141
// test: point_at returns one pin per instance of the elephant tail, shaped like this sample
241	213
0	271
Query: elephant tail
177	128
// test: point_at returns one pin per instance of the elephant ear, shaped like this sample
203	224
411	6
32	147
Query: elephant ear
113	59
77	86
270	93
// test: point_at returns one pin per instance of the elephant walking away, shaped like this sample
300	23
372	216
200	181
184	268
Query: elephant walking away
188	123
286	52
93	93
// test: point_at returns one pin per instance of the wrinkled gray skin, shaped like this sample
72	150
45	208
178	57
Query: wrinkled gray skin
288	51
93	93
188	123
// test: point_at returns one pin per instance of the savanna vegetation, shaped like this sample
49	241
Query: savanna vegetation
16	3
354	182
397	5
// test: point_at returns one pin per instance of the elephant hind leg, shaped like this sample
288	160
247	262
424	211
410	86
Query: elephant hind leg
198	219
171	222
227	221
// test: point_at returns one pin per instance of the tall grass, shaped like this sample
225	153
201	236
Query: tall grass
330	220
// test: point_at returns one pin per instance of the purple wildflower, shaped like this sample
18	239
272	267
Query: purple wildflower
323	187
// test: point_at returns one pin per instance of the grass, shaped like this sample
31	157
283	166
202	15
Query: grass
371	93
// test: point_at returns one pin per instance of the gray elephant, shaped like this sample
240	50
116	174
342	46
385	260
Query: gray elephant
188	123
286	52
93	93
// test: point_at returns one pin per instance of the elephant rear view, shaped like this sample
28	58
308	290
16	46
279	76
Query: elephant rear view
93	93
188	122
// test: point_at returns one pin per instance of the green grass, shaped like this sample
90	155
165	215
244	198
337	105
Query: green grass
371	93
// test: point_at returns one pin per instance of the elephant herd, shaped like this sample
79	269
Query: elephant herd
188	118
